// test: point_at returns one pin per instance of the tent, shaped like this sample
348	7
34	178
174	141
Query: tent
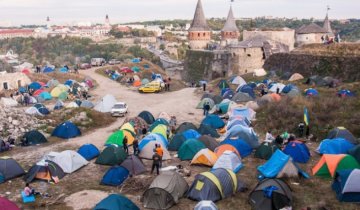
42	109
225	106
204	157
346	185
214	121
245	133
37	92
147	116
295	77
288	88
206	101
66	130
185	126
329	164
243	112
229	160
237	80
161	130
111	155
106	103
64	70
189	149
34	86
226	147
208	130
217	99
241	97
58	105
116	202
48	69
34	137
87	104
191	134
222	84
271	194
117	138
68	160
88	151
311	92
252	105
209	142
247	89
165	191
266	150
293	92
147	151
206	205
241	146
279	165
45	95
259	72
115	176
52	83
135	69
298	151
215	185
44	170
341	132
345	93
7	204
176	142
229	94
33	111
9	169
144	81
153	137
8	102
335	146
134	165
355	152
129	127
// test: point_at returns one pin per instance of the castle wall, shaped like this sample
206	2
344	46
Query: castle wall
302	39
285	36
245	60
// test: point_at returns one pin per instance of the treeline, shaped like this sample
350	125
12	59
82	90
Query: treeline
59	51
132	33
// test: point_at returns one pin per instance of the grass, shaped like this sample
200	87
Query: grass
343	49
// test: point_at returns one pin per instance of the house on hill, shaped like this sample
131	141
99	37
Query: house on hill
12	81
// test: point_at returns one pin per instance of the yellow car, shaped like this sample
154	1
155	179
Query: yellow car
152	87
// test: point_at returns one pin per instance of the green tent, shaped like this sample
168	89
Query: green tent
34	137
135	69
329	164
111	155
63	96
116	138
204	101
189	149
223	84
265	150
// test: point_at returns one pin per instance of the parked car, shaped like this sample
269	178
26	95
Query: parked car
98	61
152	87
119	109
114	62
85	66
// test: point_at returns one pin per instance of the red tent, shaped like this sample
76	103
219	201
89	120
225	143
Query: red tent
36	93
8	205
26	71
126	70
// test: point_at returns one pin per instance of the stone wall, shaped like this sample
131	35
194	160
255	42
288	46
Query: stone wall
245	60
286	36
302	39
346	68
13	80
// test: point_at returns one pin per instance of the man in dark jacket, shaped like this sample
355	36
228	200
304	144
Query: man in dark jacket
125	145
156	163
136	147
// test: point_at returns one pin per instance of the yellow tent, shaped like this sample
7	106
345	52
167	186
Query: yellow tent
129	127
205	157
129	137
160	129
56	92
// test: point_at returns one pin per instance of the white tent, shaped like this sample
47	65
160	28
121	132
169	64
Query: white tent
275	86
72	105
106	103
33	111
8	102
238	81
296	77
229	160
148	151
259	72
68	160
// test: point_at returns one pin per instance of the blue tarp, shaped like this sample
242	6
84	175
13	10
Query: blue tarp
88	151
298	151
66	130
335	146
115	176
241	146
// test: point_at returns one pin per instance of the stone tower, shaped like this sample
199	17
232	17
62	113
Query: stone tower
199	31
327	26
230	33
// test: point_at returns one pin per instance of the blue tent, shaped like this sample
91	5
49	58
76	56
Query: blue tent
335	146
42	109
311	92
346	185
298	151
66	130
48	70
346	93
288	88
116	202
245	133
115	76
280	162
58	105
63	70
223	91
191	134
115	176
214	121
45	95
247	89
136	60
146	66
69	82
35	86
88	151
153	137
241	146
228	94
252	84
22	90
243	112
234	122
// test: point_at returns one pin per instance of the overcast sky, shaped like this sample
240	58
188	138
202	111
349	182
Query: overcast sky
18	12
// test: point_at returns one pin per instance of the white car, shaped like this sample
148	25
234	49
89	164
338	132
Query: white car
119	109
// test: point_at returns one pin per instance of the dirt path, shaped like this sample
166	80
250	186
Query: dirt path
178	103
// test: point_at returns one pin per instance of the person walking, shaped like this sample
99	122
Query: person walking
125	145
159	150
136	147
156	163
204	86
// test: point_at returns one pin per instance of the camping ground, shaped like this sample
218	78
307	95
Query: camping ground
81	190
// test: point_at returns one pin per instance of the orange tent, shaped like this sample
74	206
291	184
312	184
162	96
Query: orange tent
275	97
205	157
222	130
328	164
137	83
222	148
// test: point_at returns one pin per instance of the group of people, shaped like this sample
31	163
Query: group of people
167	84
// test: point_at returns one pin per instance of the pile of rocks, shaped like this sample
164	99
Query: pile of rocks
15	122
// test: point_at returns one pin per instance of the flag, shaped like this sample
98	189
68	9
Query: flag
306	117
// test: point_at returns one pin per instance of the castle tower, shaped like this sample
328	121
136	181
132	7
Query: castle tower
327	26
230	33
199	31
48	26
107	21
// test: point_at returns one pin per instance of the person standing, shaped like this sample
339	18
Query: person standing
136	147
125	145
269	137
204	86
159	150
156	163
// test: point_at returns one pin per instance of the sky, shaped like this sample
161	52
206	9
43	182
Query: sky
17	12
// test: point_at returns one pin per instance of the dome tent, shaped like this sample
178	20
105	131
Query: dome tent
68	160
111	155
115	176
115	202
106	103
34	137
147	116
66	130
329	164
189	149
88	151
9	169
204	157
298	151
134	165
229	160
44	170
346	185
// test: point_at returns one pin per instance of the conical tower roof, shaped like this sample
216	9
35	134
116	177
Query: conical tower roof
230	24
199	21
327	25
